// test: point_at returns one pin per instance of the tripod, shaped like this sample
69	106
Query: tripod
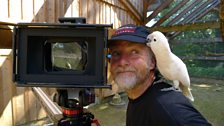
71	111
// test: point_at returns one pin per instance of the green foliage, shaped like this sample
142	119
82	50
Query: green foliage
201	68
193	49
206	72
199	34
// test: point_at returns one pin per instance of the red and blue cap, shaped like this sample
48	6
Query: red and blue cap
130	33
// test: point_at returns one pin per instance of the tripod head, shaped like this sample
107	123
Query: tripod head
73	111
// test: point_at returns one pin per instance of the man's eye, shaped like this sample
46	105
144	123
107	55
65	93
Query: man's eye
134	52
115	53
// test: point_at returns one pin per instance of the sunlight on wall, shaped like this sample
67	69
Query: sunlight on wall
19	11
4	9
151	22
6	117
72	10
27	10
4	52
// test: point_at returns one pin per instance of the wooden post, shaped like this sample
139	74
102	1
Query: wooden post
6	36
6	106
221	15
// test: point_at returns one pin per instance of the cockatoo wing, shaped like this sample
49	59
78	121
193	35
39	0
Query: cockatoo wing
169	65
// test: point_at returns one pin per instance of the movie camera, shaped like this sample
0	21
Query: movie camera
65	55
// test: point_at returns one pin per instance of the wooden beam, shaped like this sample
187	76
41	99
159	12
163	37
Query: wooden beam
170	13
221	15
145	9
6	35
184	27
200	11
212	58
132	10
158	9
186	10
198	40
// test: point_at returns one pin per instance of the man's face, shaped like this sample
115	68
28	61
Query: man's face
130	63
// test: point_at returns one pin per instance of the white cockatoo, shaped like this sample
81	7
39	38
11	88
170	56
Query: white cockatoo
169	65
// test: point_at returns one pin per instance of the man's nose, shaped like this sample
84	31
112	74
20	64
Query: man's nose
124	60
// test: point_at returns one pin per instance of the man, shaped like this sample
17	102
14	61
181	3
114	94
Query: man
152	102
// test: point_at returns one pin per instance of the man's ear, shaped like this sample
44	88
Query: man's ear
153	63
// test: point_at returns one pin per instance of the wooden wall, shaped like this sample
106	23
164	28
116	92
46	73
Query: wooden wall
17	104
96	11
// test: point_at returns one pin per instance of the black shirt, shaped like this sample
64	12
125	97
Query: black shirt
162	105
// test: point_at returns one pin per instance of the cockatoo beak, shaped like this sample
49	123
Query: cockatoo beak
148	41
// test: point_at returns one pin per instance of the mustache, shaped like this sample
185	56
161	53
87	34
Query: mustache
124	69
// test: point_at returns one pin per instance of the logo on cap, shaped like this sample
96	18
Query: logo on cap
126	29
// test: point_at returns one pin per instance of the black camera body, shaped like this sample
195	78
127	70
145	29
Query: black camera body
67	55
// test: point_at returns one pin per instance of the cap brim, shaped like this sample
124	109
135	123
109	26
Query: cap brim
130	38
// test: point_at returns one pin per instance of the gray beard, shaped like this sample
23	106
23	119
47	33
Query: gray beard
130	82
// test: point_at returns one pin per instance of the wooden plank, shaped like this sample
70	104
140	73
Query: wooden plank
108	13
158	9
118	14
15	10
132	10
171	12
123	16
104	13
91	17
199	12
83	7
112	13
221	15
220	58
68	8
27	105
27	10
19	106
6	117
191	26
4	8
145	9
196	40
6	37
39	11
75	8
186	10
97	9
115	14
59	12
51	11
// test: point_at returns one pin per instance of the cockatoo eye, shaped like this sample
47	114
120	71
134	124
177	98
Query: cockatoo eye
154	40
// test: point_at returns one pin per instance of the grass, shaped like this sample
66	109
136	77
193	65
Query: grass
108	115
209	100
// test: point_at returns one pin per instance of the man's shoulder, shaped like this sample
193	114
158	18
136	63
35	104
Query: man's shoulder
163	87
173	105
167	96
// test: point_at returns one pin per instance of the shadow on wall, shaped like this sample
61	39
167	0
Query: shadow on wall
6	36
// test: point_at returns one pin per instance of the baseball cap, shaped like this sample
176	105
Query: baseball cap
130	32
